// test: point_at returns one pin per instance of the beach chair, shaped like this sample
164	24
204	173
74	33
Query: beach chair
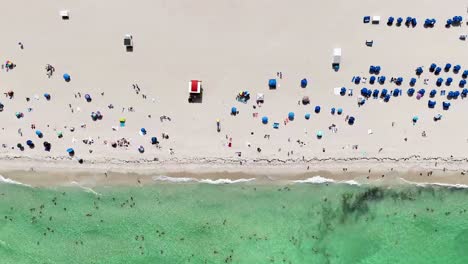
276	125
65	14
366	19
369	43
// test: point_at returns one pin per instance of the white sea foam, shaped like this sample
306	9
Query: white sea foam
87	189
321	180
425	184
225	181
209	181
10	181
173	179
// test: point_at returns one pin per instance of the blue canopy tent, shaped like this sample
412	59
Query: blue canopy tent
431	104
383	93
339	111
304	83
419	71
399	81
351	120
437	70
291	116
439	81
387	98
88	98
154	140
382	79
410	92
448	81
272	83
375	93
399	21
432	93
143	131
317	109
464	93
446	105
377	69
432	67
265	120
412	82
70	151
307	116
462	83
456	69
357	80
465	74
390	21
447	67
233	110
372	80
39	134
343	91
333	110
67	77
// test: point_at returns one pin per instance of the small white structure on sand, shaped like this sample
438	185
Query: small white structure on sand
336	59
260	98
128	40
65	14
375	19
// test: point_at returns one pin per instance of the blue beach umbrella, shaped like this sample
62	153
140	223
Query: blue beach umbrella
399	80
375	93
39	133
272	83
399	21
317	109
414	22
447	67
462	83
412	82
422	92
265	120
456	68
437	70
456	94
307	116
372	80
357	80
233	110
449	22
364	91
67	77
390	21
377	69
339	111
47	96
465	74
30	143
154	140
382	79
333	110
410	92
448	81
143	131
342	91
384	92
372	69
396	92
464	93
70	151
432	93
304	83
408	21
387	98
432	67
351	120
141	149
88	98
439	81
291	116
419	71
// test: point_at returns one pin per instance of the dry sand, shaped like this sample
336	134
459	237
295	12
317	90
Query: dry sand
230	46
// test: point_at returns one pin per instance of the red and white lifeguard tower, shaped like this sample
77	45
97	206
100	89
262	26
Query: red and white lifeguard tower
195	91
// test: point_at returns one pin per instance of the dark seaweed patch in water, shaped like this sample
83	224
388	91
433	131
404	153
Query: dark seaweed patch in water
358	203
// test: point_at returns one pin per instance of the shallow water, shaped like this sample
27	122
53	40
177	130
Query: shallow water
235	223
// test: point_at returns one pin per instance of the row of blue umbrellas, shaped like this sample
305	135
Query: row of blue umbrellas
272	84
445	105
409	21
436	69
455	21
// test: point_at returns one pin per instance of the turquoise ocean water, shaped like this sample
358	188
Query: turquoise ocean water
235	223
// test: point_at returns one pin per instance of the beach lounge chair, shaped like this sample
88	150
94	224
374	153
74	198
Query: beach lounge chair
366	19
375	20
65	14
276	125
369	43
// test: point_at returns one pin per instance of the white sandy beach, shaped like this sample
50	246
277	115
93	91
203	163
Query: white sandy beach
230	46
